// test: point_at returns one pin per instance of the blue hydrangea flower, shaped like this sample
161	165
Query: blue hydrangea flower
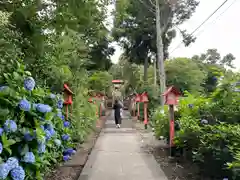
2	88
18	173
60	104
60	115
29	157
57	142
47	126
29	83
214	78
24	105
1	148
66	123
28	136
68	151
43	108
66	158
190	106
47	134
52	132
41	147
1	131
52	96
65	137
4	171
50	128
10	126
12	163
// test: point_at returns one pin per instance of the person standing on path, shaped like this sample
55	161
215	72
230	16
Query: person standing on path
117	113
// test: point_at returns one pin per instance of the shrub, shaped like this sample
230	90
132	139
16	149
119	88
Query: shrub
209	131
212	143
34	132
160	122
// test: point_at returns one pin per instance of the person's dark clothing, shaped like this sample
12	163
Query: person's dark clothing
117	113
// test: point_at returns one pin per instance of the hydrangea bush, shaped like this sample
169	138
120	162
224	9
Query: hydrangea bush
34	132
209	131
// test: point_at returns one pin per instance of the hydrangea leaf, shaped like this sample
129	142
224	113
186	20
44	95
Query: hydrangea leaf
49	116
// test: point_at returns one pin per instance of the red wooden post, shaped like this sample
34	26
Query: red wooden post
171	99
144	99
67	98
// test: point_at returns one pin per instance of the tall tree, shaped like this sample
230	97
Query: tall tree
212	63
135	26
227	60
212	56
185	74
36	20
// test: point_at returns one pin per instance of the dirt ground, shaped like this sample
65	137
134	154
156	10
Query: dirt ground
65	173
174	168
177	168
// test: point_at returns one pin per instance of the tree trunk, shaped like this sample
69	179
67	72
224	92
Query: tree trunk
160	53
155	71
145	70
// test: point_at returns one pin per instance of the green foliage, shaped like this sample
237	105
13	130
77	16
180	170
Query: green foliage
100	81
192	75
212	56
214	66
130	73
57	37
135	26
184	74
160	122
34	123
9	47
209	130
58	42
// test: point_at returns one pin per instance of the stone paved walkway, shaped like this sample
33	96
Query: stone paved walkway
118	155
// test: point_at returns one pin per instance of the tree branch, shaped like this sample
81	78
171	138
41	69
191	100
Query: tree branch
168	20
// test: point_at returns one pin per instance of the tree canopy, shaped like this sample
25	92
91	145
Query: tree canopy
135	26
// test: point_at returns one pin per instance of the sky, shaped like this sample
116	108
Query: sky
221	31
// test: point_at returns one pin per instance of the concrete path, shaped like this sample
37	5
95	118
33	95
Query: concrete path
118	155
